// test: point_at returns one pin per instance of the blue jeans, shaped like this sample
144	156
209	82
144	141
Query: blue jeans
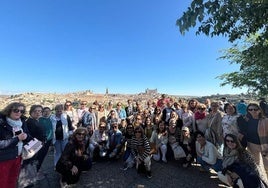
59	147
217	166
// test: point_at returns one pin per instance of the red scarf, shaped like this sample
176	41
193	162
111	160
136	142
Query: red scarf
199	115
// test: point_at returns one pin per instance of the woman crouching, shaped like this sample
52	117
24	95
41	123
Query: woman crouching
74	158
140	148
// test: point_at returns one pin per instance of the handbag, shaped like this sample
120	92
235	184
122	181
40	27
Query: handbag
178	151
31	148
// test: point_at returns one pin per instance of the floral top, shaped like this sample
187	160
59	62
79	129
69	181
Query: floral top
229	124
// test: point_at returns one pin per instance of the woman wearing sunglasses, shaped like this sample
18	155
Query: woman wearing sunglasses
254	129
239	167
140	148
13	134
74	158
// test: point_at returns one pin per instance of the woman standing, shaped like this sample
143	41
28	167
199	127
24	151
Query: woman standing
200	122
13	134
229	120
62	129
256	132
36	130
71	112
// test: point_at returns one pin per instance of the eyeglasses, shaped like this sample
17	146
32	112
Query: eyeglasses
83	103
18	110
137	131
253	109
68	105
229	141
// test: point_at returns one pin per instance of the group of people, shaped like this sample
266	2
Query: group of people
213	134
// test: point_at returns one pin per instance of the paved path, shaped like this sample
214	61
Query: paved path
108	174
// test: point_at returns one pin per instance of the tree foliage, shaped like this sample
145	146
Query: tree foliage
235	19
253	69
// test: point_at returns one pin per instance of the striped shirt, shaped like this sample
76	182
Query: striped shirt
140	147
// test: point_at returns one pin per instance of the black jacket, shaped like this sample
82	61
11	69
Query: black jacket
8	143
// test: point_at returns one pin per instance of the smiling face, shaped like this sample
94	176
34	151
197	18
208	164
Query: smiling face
16	113
254	110
230	142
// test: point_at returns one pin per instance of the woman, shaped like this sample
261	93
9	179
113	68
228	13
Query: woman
187	116
229	120
200	122
101	114
215	126
239	167
174	135
148	127
62	129
112	118
98	142
140	149
36	130
159	139
13	134
74	158
254	128
48	130
188	146
128	157
71	112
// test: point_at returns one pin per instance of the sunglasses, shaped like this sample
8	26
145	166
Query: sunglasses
253	109
201	108
230	141
18	110
115	127
83	104
81	134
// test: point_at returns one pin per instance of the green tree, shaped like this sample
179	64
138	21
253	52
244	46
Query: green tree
236	20
253	71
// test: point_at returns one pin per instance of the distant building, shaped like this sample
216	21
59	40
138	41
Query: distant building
151	91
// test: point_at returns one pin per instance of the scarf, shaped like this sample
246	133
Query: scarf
229	157
16	125
199	115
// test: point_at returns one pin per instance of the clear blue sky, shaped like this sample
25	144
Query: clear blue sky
125	46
